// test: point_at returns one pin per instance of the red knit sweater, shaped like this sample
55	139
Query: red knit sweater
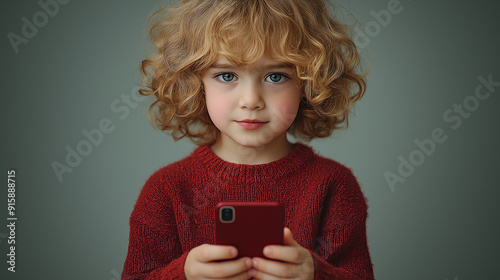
324	208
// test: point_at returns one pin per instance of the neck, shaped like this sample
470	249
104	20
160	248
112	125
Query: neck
231	151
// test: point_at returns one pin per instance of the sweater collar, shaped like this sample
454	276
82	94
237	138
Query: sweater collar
292	162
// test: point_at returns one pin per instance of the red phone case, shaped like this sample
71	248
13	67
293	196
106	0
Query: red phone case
255	225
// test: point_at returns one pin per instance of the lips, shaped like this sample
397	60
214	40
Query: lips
251	124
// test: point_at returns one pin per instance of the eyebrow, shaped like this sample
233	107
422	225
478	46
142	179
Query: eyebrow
265	66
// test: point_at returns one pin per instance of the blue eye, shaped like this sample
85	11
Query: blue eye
276	78
226	77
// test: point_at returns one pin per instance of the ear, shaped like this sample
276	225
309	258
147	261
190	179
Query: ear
303	95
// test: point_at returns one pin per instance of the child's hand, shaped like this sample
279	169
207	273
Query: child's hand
200	263
293	261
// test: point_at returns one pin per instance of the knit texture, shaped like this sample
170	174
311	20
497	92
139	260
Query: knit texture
324	208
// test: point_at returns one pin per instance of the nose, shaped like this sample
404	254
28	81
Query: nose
251	97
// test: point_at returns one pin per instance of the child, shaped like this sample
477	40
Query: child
235	76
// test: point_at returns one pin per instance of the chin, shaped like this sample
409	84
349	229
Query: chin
252	143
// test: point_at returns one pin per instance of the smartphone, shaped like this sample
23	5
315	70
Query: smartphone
249	226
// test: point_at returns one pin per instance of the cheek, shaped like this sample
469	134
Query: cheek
218	108
286	111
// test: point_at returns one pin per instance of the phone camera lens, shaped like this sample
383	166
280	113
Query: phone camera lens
227	214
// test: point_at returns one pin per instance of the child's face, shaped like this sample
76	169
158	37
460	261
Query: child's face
252	106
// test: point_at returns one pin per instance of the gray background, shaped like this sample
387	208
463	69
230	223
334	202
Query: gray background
440	223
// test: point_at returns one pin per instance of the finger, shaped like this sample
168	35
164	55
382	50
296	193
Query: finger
289	254
209	253
234	268
264	276
242	276
288	238
267	268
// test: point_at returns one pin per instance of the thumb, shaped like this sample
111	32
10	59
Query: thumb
288	238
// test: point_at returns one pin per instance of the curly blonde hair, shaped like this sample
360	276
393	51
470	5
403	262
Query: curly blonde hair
189	37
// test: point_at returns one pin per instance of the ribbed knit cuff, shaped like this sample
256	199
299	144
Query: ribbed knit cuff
175	270
325	271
